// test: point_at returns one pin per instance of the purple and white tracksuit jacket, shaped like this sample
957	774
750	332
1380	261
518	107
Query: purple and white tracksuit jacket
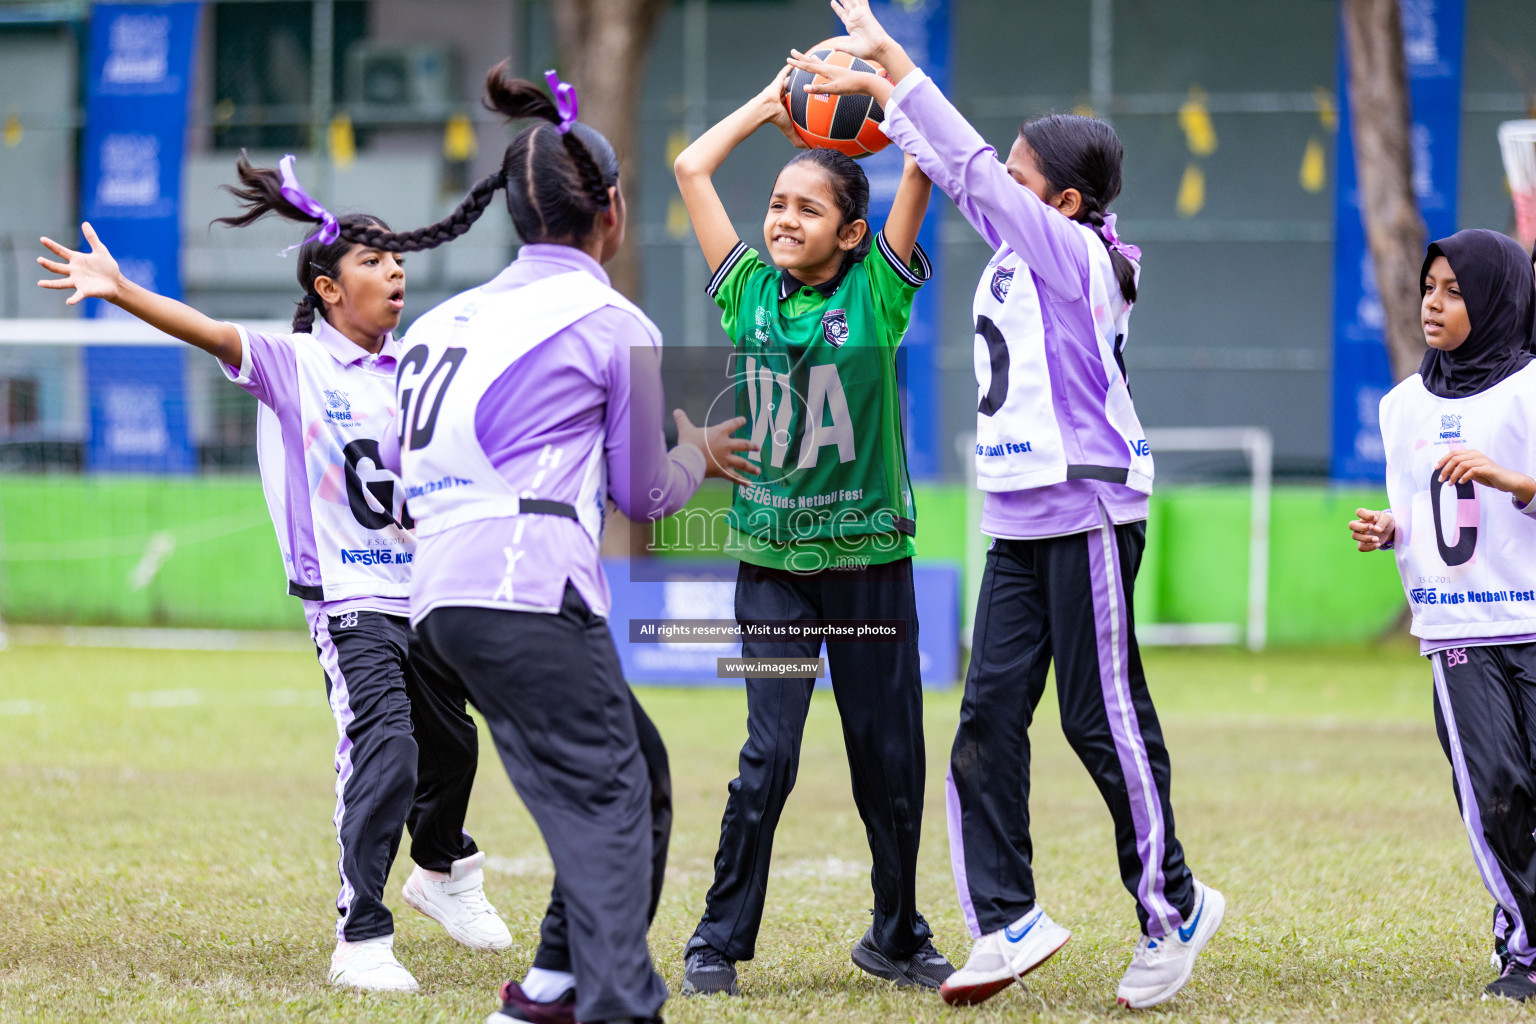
1066	471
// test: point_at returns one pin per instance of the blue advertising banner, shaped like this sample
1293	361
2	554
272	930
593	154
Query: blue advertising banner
708	592
922	27
140	65
1362	374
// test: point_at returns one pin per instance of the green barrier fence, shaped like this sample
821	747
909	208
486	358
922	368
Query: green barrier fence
199	552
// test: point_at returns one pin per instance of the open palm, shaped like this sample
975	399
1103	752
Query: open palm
93	275
865	33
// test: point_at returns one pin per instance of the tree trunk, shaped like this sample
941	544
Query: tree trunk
1380	127
603	46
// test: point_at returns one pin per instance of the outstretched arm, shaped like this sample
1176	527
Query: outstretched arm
95	275
696	165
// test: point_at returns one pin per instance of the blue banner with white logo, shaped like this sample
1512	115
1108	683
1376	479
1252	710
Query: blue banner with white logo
140	67
922	28
1362	372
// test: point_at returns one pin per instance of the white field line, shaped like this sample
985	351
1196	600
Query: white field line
159	639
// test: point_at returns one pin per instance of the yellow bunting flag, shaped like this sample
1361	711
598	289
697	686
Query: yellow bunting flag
676	143
677	218
12	131
1314	174
1191	191
1195	120
1327	109
340	141
459	142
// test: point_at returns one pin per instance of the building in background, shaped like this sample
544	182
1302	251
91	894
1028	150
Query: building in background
1227	111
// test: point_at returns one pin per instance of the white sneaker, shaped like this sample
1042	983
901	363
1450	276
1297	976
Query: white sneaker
458	903
1160	967
370	965
1000	958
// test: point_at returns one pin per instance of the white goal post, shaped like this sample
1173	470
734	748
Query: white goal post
1257	446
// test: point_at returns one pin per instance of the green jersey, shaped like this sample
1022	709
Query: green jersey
815	375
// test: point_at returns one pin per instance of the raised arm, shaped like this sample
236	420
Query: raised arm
908	210
906	137
95	275
695	166
1051	244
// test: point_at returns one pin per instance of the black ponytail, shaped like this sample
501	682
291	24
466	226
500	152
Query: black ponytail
261	192
557	183
1072	151
850	190
556	186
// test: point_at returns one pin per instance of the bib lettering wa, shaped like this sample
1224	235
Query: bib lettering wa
821	404
1464	550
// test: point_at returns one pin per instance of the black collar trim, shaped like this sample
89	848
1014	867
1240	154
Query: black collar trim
789	283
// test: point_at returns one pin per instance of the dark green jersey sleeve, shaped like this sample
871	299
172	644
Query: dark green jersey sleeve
729	283
893	286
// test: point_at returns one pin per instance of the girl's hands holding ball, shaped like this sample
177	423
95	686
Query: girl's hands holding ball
866	36
775	112
866	39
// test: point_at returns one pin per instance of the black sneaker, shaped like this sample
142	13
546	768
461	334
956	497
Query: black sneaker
925	968
1518	982
706	970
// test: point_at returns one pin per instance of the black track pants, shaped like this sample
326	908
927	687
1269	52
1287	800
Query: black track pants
879	693
1068	599
1485	713
405	755
554	952
553	693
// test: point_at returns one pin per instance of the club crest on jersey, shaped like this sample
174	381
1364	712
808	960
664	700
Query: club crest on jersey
834	327
1450	425
338	406
1002	277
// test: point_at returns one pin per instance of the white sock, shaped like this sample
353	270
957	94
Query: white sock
544	986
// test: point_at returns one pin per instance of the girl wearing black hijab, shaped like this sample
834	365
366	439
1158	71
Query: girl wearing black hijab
1458	433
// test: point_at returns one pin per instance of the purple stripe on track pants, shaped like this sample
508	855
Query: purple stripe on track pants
330	664
1487	864
1114	657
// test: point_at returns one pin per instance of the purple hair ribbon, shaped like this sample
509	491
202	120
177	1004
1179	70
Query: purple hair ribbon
1126	249
292	191
565	100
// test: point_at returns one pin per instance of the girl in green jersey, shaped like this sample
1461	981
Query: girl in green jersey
824	533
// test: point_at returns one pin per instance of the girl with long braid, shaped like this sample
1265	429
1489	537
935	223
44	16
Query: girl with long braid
1066	469
523	404
406	747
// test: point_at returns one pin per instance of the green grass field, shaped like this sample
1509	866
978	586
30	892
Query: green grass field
166	852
